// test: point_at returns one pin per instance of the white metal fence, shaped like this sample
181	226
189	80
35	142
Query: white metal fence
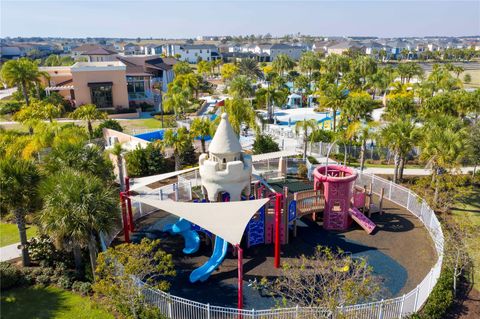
176	307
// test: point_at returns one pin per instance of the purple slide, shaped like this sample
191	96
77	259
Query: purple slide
362	220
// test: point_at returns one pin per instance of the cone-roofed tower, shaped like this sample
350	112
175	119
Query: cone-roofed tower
226	168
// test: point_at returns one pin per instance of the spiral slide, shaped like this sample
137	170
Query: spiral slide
219	252
362	220
184	227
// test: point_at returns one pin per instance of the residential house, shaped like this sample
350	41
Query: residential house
132	49
100	83
294	52
126	81
8	52
192	52
344	46
77	52
100	55
321	46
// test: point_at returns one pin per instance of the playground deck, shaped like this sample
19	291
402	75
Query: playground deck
399	249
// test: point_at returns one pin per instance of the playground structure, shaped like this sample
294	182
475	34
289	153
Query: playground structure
226	178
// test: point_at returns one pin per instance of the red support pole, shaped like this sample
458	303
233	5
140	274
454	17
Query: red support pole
278	210
129	204
240	276
124	218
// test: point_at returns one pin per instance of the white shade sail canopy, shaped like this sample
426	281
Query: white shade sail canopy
141	182
225	219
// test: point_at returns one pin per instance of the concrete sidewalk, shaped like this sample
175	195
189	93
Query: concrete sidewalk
10	252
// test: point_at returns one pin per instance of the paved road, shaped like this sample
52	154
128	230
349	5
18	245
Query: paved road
7	92
10	252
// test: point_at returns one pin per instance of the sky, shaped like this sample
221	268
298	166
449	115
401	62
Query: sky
188	19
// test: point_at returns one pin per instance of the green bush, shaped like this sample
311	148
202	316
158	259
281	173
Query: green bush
43	251
10	276
312	160
10	106
64	282
302	171
441	297
264	144
85	288
111	124
146	161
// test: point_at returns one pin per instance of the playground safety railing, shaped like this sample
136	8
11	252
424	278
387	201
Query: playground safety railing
179	308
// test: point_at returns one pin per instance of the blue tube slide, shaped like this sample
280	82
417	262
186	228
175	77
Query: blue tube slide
219	252
184	227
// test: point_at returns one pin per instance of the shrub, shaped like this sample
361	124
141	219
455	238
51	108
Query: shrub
441	297
64	282
84	288
146	161
109	123
10	276
264	144
43	251
302	171
312	160
9	107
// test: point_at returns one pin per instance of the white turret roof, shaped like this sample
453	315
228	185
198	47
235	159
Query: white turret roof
225	141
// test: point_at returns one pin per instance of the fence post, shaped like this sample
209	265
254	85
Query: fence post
416	299
160	194
190	190
408	201
170	315
390	191
380	314
140	208
208	311
401	307
175	189
296	311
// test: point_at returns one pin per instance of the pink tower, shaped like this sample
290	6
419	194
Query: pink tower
337	184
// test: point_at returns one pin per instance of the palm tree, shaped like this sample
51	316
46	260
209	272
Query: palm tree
77	207
283	63
399	136
179	141
358	106
88	113
308	127
189	82
443	146
240	112
22	73
18	183
363	131
309	62
201	128
176	100
332	97
241	87
336	65
249	67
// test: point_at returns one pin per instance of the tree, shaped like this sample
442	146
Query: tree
264	144
88	113
307	127
241	87
80	157
146	161
229	70
76	208
467	78
474	145
109	124
326	279
22	73
189	82
443	146
271	96
120	268
336	65
203	68
358	106
201	128
240	112
399	105
365	66
408	70
176	99
399	136
283	63
19	180
308	63
249	67
363	131
182	67
178	141
332	97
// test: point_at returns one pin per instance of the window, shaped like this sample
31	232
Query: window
101	94
200	51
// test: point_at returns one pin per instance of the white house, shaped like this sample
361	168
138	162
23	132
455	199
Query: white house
192	52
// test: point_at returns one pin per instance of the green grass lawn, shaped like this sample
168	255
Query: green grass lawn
470	210
9	233
49	302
